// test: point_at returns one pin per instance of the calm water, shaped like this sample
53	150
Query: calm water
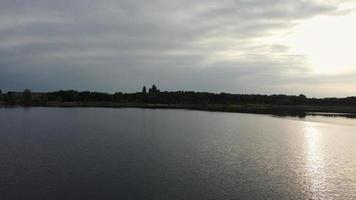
98	153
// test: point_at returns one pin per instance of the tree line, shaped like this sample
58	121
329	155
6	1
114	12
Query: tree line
155	96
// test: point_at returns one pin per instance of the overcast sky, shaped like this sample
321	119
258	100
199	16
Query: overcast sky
238	46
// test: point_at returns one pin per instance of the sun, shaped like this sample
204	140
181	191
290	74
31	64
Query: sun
328	43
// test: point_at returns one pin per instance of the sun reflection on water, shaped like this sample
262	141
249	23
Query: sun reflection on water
315	167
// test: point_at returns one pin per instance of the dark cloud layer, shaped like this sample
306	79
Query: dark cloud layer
120	45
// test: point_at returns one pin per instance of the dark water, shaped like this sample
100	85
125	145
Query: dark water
98	153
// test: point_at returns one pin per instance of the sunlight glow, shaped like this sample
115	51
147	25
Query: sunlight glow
327	42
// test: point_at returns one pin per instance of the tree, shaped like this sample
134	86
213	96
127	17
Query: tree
0	95
302	99
144	91
302	96
27	97
9	98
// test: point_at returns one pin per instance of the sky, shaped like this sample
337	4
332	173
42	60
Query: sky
237	46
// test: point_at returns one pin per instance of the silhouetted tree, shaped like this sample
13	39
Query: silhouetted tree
144	91
302	96
178	97
9	98
27	97
302	99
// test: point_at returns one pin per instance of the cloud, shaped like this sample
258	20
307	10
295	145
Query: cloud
119	45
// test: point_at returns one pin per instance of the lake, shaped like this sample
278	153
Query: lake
104	153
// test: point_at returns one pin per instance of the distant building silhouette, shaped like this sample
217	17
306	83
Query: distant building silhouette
154	89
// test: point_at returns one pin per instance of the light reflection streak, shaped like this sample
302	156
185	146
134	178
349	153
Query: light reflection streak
315	166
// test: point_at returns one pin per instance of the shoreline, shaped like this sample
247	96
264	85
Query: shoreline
279	110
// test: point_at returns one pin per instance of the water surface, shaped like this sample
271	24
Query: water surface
104	153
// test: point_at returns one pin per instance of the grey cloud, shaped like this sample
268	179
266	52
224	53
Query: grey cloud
114	45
